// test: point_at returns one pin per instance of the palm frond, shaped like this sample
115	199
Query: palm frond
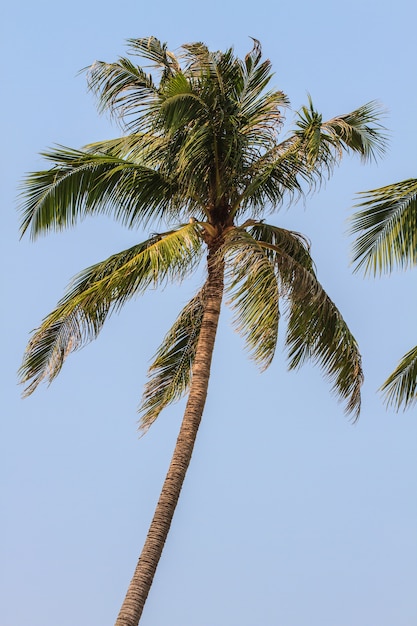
253	294
154	50
316	147
170	372
310	154
318	332
124	89
324	142
400	388
102	289
179	104
359	131
312	147
268	179
387	225
82	183
258	108
139	148
316	329
53	341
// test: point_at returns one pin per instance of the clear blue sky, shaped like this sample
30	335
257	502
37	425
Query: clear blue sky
290	515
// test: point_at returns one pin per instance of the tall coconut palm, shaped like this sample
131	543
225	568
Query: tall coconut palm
387	223
201	156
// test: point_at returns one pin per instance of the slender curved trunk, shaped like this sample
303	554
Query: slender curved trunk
141	582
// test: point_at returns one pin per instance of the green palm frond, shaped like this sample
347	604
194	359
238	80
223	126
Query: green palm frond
253	295
307	157
359	131
82	183
102	289
170	373
387	227
323	143
400	388
124	89
313	148
316	330
259	109
143	149
256	74
179	104
269	178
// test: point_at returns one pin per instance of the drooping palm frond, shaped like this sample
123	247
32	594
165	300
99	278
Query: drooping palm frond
387	227
400	388
102	289
170	372
318	332
269	264
253	294
316	329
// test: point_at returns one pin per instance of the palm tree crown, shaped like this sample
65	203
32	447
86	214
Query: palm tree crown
202	157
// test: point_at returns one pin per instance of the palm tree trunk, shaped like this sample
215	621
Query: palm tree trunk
141	582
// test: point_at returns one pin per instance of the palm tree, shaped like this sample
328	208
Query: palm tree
387	224
201	155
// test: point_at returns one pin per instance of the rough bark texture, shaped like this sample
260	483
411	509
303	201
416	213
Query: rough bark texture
141	582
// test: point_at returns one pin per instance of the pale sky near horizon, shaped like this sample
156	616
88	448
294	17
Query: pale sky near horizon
290	514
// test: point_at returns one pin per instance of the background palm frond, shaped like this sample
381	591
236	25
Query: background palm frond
387	227
400	388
